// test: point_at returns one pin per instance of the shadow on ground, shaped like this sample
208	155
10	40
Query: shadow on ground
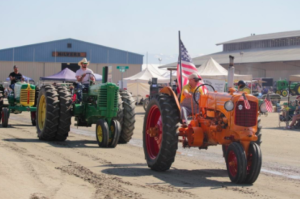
176	177
62	144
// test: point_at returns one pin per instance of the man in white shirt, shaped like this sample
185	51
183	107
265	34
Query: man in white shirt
84	75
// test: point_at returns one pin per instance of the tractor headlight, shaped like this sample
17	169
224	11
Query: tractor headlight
263	108
229	105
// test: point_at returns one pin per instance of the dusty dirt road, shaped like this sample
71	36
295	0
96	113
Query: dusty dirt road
78	168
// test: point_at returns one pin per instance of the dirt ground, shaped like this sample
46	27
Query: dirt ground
78	168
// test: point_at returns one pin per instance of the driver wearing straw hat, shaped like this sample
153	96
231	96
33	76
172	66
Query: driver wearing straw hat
187	95
84	74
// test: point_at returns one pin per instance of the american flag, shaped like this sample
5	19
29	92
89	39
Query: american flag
246	102
187	68
269	105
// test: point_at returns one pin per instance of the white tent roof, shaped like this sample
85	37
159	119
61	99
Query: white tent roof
213	70
295	78
145	75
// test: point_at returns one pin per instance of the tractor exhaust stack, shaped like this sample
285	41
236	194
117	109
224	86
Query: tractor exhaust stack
230	73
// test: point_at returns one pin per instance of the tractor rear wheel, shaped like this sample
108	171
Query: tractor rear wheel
297	89
47	116
65	105
102	133
284	93
4	117
254	160
128	117
120	111
160	140
115	128
236	163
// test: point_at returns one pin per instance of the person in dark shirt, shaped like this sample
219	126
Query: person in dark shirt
14	77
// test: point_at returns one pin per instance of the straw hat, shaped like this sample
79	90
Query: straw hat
85	61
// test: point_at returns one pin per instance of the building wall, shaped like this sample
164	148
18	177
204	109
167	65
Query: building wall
276	70
41	69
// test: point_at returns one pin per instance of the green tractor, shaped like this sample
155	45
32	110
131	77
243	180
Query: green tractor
282	88
22	98
112	111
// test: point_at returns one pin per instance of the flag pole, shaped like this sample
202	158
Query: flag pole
180	61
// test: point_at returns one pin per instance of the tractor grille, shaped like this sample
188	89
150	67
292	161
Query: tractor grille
244	117
102	102
27	97
116	99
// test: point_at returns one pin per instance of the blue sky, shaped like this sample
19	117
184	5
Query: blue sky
145	25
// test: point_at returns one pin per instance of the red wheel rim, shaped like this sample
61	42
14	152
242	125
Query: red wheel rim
232	163
153	143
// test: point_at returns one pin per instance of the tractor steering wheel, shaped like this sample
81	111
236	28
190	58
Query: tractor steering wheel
194	94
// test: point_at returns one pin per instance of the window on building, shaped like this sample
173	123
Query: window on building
69	45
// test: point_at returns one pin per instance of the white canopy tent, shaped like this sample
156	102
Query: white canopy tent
213	70
138	83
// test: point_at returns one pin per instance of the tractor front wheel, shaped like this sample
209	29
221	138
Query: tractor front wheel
102	133
236	163
254	163
278	92
33	118
4	117
115	128
284	93
159	132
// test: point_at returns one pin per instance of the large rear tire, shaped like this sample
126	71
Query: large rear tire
254	161
236	163
4	117
128	117
65	105
160	149
120	114
297	89
47	116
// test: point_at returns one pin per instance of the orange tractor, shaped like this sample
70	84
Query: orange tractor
218	118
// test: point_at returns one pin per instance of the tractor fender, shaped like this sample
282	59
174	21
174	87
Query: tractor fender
168	90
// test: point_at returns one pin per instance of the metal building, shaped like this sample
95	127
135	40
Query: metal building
48	58
274	55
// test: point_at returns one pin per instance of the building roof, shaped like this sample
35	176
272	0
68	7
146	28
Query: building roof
43	52
249	56
278	35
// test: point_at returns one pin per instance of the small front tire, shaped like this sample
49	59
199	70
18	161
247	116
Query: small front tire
102	133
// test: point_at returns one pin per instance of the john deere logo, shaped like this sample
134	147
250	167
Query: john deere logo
240	107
